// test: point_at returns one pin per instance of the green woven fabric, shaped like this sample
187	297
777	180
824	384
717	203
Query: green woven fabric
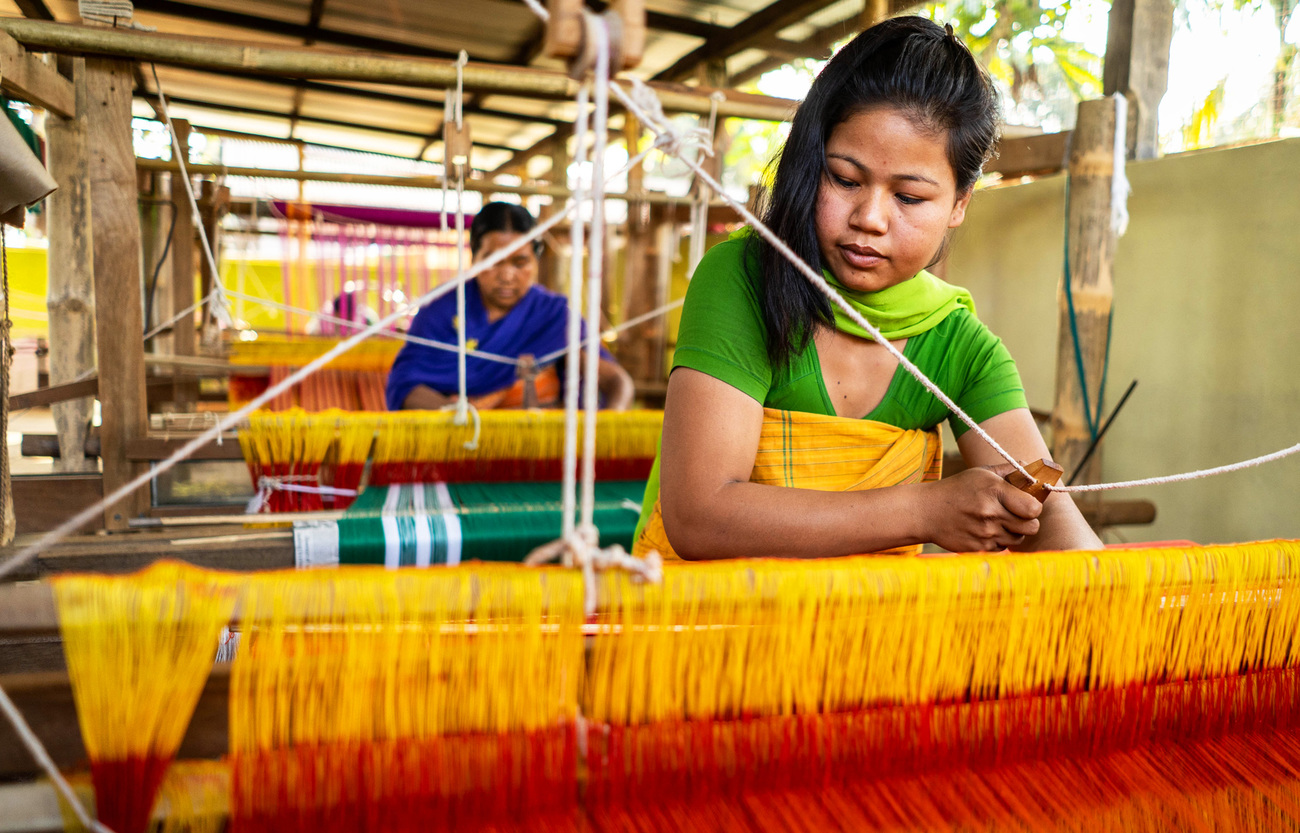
437	523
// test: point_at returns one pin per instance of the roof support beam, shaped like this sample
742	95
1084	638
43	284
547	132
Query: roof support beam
303	62
24	76
231	108
35	9
758	28
314	15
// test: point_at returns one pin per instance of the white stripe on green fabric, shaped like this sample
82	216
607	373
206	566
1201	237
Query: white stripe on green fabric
423	534
450	522
392	534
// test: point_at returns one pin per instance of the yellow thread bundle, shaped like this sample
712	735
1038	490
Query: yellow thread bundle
297	351
360	688
726	640
138	653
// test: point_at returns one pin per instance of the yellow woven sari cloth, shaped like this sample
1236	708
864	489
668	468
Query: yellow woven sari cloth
830	454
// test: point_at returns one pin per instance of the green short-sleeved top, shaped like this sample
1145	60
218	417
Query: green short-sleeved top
723	334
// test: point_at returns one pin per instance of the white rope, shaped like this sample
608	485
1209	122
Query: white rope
1179	478
397	335
43	759
645	105
217	307
614	331
457	113
576	247
178	316
599	29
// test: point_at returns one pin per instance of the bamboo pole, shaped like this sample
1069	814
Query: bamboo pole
317	63
181	296
71	295
1091	255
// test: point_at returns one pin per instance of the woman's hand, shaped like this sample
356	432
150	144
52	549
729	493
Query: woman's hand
978	511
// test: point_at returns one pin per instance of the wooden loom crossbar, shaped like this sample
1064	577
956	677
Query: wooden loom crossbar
1162	680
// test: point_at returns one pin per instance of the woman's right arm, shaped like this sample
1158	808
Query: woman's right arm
711	510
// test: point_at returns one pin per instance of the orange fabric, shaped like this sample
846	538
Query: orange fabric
826	453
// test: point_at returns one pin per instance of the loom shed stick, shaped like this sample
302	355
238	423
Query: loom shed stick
1045	472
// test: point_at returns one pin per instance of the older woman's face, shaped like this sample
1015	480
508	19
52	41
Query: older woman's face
505	284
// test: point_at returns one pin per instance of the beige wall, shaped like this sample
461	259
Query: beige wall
1206	318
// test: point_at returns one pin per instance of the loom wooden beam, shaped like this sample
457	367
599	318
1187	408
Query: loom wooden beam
145	449
432	182
55	394
45	700
315	63
207	544
119	317
25	76
1091	256
1026	155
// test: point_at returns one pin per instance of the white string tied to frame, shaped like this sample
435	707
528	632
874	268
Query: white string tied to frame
700	207
456	111
266	484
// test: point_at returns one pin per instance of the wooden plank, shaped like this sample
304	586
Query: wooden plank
71	293
43	501
57	393
1046	153
128	552
46	702
47	445
119	326
25	76
160	448
1091	254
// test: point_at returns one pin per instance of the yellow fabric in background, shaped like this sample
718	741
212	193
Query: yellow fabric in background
830	454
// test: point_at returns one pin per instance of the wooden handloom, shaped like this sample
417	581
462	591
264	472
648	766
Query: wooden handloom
1151	689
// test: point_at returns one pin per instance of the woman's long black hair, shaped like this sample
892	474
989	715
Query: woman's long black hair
909	63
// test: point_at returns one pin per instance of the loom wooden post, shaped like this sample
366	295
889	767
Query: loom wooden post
119	319
554	266
636	267
1091	258
71	294
184	336
213	204
1137	65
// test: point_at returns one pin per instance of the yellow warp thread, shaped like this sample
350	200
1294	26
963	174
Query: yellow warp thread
530	435
293	438
297	437
297	351
139	649
367	654
758	638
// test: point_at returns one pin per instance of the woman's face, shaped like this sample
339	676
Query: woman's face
505	284
886	201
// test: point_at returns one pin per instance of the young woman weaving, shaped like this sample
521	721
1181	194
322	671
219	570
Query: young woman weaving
787	431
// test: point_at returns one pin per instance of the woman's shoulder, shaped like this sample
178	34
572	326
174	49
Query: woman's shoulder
725	270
